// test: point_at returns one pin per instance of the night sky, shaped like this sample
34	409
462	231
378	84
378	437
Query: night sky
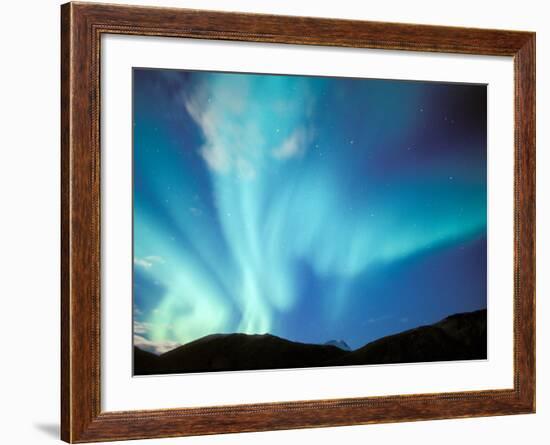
311	208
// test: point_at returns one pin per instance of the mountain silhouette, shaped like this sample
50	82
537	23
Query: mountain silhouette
457	337
339	344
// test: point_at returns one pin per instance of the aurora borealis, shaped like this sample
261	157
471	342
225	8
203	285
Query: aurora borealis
311	208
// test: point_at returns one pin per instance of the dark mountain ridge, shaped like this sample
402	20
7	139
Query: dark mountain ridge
339	344
457	337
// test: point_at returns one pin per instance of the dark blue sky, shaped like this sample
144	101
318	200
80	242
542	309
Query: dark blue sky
307	207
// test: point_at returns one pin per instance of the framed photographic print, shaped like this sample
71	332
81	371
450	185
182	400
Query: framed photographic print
276	222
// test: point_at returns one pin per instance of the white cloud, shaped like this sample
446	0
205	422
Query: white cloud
142	263
216	157
213	152
293	146
239	121
148	261
155	347
141	327
232	143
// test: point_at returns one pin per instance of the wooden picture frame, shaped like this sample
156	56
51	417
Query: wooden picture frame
82	25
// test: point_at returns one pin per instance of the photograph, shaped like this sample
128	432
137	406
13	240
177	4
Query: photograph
296	221
281	218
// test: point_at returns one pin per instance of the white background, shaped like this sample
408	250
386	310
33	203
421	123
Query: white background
29	187
120	392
